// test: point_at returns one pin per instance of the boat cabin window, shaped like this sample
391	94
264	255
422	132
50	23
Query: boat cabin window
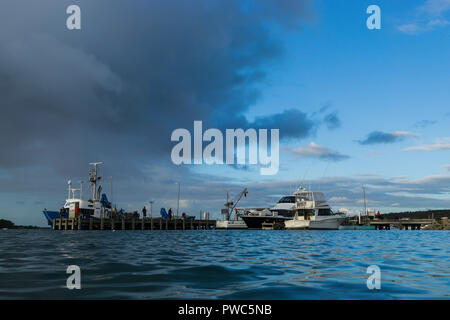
290	199
306	213
325	212
310	196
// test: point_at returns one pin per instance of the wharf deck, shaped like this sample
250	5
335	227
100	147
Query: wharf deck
402	224
131	224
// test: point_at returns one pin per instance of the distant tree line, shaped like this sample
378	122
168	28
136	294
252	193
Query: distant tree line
10	225
437	214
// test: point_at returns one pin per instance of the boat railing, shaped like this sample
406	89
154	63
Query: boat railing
305	204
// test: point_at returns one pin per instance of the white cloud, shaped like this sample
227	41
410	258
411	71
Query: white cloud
417	28
348	211
439	196
442	140
430	16
429	147
438	23
446	167
435	7
338	199
318	151
312	149
410	28
404	134
437	178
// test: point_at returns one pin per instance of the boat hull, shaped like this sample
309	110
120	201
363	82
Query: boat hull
231	224
324	224
297	224
255	222
327	224
356	227
50	215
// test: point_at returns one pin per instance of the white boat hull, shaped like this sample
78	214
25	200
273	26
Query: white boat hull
231	224
323	224
326	224
296	224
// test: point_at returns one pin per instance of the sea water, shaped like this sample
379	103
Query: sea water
224	264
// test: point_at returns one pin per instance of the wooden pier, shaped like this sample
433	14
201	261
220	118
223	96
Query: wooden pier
402	224
191	224
132	224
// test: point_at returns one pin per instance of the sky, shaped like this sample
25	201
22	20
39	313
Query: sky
355	107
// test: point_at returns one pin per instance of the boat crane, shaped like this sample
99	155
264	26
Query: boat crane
230	205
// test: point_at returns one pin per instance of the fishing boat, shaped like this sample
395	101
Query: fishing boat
313	212
230	205
75	206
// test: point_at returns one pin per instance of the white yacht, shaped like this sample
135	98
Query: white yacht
278	214
313	212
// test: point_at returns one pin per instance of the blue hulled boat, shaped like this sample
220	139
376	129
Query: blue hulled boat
75	207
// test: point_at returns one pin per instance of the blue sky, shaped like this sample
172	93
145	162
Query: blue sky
372	106
384	80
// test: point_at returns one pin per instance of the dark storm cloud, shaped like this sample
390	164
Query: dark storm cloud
136	71
377	137
115	90
293	123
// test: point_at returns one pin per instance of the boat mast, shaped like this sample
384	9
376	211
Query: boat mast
365	205
69	183
111	192
93	179
228	204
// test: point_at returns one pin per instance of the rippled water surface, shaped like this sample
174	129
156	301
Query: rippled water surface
224	264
